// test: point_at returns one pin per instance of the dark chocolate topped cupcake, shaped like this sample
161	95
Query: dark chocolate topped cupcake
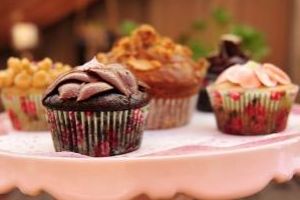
97	110
230	53
96	87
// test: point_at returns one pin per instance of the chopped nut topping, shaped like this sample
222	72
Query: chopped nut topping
142	65
145	50
25	74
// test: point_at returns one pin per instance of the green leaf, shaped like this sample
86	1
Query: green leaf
198	48
253	41
127	26
221	16
199	25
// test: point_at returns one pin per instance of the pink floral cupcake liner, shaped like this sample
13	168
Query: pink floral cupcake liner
26	112
252	112
97	134
170	112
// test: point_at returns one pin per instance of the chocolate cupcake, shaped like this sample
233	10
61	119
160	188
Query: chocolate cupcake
230	53
97	110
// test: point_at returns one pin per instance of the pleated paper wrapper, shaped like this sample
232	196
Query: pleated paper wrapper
26	112
170	112
97	134
252	112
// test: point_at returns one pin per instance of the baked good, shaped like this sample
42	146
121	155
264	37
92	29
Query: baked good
229	54
252	99
22	85
97	110
174	78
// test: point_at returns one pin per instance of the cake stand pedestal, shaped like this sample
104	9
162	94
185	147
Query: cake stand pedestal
195	160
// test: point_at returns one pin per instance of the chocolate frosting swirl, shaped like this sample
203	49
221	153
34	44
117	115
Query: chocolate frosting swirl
94	78
230	54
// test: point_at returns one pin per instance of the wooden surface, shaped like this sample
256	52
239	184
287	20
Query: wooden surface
273	17
295	43
170	17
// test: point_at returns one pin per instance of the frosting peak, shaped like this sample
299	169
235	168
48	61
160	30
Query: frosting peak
94	78
254	75
230	53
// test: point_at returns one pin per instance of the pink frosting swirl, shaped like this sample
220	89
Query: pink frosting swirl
254	75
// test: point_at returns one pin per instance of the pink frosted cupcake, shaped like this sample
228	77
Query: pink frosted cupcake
252	99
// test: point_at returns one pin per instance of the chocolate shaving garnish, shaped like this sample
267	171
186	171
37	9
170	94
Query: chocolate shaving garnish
143	84
69	90
113	78
128	79
91	89
73	75
94	78
230	54
94	63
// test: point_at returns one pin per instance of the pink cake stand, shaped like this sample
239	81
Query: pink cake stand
196	160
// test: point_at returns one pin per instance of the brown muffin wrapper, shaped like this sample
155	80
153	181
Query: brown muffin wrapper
97	134
26	112
252	112
170	112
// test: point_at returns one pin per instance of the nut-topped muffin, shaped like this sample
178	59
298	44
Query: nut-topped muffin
97	110
22	85
174	78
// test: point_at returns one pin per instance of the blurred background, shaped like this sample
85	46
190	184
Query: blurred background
74	31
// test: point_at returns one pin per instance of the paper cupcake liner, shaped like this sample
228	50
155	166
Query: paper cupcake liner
170	112
26	112
97	134
203	103
252	112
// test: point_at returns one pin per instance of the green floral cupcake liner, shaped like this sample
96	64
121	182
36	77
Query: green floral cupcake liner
97	134
170	112
26	112
252	112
